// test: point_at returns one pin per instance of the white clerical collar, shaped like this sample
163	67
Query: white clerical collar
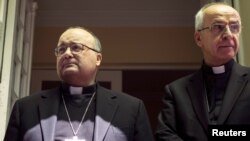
218	70
75	90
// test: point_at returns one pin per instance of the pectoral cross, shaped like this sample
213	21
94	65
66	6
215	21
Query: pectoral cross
75	138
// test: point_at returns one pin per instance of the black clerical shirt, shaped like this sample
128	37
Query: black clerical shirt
216	85
76	104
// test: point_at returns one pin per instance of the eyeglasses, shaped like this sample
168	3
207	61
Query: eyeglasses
218	28
75	48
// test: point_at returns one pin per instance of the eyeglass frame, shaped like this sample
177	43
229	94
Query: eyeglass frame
225	25
69	46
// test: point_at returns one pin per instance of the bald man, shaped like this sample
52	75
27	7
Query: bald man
219	92
79	109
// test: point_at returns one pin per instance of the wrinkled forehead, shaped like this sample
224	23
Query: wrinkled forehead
76	35
223	12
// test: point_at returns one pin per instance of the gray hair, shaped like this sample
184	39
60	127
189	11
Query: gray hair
199	17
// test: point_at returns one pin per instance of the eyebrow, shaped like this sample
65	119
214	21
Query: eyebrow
230	22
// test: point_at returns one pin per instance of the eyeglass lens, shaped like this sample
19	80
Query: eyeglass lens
218	28
74	48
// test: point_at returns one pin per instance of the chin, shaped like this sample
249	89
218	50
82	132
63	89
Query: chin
70	69
69	72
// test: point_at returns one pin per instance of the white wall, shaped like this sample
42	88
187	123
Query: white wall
5	85
243	8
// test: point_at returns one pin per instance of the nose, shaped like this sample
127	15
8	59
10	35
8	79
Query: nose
67	53
227	33
67	50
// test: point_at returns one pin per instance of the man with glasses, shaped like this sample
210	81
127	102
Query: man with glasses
219	92
79	109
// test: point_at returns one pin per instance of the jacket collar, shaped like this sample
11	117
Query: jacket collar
237	82
48	110
105	111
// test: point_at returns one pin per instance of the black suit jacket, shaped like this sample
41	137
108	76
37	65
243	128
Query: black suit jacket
119	117
185	112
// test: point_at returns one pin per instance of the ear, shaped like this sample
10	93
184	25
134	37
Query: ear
98	59
198	39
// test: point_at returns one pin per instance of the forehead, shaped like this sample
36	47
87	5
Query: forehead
221	12
76	36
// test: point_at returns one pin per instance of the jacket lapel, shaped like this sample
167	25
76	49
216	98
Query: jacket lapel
48	108
106	106
197	94
236	84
